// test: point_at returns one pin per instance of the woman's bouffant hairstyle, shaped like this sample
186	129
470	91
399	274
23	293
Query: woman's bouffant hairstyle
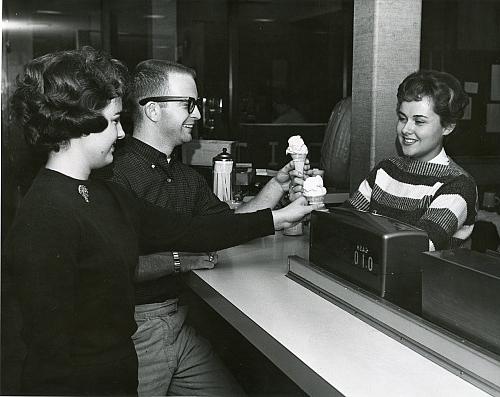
61	95
444	89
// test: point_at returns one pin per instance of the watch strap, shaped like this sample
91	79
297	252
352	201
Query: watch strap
177	262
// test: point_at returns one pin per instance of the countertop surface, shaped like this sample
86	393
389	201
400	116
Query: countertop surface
250	289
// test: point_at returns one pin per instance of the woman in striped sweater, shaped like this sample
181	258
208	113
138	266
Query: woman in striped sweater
424	187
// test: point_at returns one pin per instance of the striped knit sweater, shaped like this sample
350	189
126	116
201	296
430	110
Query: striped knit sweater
437	196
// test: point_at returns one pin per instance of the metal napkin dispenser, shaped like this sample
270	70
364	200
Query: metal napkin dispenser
379	254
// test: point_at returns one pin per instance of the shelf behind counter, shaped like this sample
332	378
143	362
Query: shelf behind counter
323	348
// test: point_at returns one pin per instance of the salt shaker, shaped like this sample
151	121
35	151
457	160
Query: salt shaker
223	176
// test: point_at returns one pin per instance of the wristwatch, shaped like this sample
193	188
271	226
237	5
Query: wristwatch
177	262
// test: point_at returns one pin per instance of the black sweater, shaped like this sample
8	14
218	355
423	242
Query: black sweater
73	263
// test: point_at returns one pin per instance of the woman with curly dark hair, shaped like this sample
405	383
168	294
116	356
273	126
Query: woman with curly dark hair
75	242
424	187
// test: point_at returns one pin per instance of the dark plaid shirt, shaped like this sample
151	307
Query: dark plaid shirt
149	175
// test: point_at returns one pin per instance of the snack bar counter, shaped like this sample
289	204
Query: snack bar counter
323	347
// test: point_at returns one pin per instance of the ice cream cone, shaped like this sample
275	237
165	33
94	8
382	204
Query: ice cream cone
314	191
317	200
299	156
299	160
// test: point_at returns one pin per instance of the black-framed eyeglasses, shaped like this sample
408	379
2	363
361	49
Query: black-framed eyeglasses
191	102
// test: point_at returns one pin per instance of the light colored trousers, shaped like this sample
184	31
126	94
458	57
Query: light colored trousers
173	359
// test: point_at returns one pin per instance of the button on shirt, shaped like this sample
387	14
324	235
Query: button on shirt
149	174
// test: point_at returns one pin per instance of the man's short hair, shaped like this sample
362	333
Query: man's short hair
151	78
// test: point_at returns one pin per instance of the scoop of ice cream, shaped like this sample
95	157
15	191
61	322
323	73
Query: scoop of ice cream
313	186
296	145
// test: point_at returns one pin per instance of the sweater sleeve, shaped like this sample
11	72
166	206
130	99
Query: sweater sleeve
361	198
450	217
160	229
41	253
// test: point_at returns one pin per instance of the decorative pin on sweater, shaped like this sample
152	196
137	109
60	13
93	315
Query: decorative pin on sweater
84	192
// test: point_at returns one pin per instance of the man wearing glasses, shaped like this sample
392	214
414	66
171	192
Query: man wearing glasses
173	359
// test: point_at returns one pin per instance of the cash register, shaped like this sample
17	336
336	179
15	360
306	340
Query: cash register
379	254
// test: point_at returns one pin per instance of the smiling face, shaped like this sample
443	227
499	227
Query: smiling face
177	122
98	147
419	129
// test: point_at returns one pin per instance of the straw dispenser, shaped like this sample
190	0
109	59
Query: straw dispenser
223	176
